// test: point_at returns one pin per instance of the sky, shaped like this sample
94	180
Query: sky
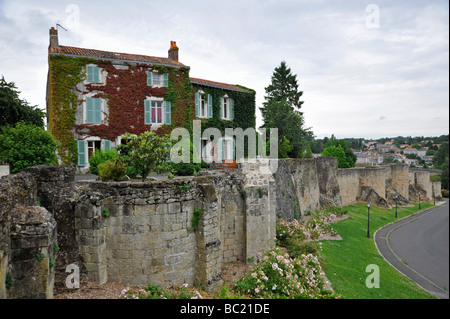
367	69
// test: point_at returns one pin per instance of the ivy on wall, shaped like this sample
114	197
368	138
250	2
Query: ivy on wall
125	91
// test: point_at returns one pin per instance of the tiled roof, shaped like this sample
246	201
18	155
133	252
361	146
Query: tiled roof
106	55
219	85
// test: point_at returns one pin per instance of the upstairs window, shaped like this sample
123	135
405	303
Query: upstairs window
93	74
157	112
227	108
93	110
157	79
203	105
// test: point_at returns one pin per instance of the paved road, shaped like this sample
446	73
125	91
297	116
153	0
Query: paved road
418	246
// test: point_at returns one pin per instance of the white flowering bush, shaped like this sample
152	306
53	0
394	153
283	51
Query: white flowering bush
154	292
286	231
277	275
319	224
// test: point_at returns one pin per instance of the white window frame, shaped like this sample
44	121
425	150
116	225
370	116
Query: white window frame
202	108
226	109
163	113
160	78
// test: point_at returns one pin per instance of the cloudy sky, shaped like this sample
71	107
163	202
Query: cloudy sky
367	68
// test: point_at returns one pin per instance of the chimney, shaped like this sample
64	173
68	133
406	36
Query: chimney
173	51
54	44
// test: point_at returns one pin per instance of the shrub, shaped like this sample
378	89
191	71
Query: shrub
131	171
185	169
25	145
278	276
100	156
112	170
285	231
153	291
146	152
445	193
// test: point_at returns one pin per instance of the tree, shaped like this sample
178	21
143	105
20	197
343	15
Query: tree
14	110
337	151
282	109
25	145
440	155
147	152
350	156
444	175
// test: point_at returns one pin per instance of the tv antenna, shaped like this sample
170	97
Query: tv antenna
59	25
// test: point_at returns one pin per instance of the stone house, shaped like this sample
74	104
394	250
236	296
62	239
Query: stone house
94	97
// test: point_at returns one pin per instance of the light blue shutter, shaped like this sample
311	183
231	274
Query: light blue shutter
147	117
106	145
197	104
149	78
210	109
166	79
97	110
81	153
221	108
89	110
168	115
92	74
96	71
231	109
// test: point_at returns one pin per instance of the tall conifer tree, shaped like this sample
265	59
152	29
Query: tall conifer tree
282	109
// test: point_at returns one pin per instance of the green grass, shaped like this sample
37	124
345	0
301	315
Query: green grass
345	261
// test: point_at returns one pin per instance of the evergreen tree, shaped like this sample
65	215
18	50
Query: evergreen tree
14	110
282	109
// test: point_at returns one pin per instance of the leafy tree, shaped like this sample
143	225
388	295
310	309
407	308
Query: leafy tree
14	110
308	152
25	145
350	156
337	151
440	155
444	175
147	152
282	109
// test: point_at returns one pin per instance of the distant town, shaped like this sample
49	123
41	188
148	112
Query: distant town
414	151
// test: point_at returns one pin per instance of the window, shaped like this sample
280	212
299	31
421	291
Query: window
157	112
93	74
92	146
157	79
93	110
227	108
203	105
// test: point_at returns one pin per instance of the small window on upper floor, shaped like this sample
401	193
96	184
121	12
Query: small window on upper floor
227	108
157	79
92	74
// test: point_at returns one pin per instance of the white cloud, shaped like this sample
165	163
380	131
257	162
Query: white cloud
351	75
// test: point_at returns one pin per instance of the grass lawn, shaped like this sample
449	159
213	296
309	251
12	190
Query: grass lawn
345	261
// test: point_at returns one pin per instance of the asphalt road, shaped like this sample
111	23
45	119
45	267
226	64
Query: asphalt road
418	246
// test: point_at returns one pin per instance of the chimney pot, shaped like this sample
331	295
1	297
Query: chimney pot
173	51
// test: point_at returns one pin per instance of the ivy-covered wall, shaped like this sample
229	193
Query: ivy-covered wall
124	91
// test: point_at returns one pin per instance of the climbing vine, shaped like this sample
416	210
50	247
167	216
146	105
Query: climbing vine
125	90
